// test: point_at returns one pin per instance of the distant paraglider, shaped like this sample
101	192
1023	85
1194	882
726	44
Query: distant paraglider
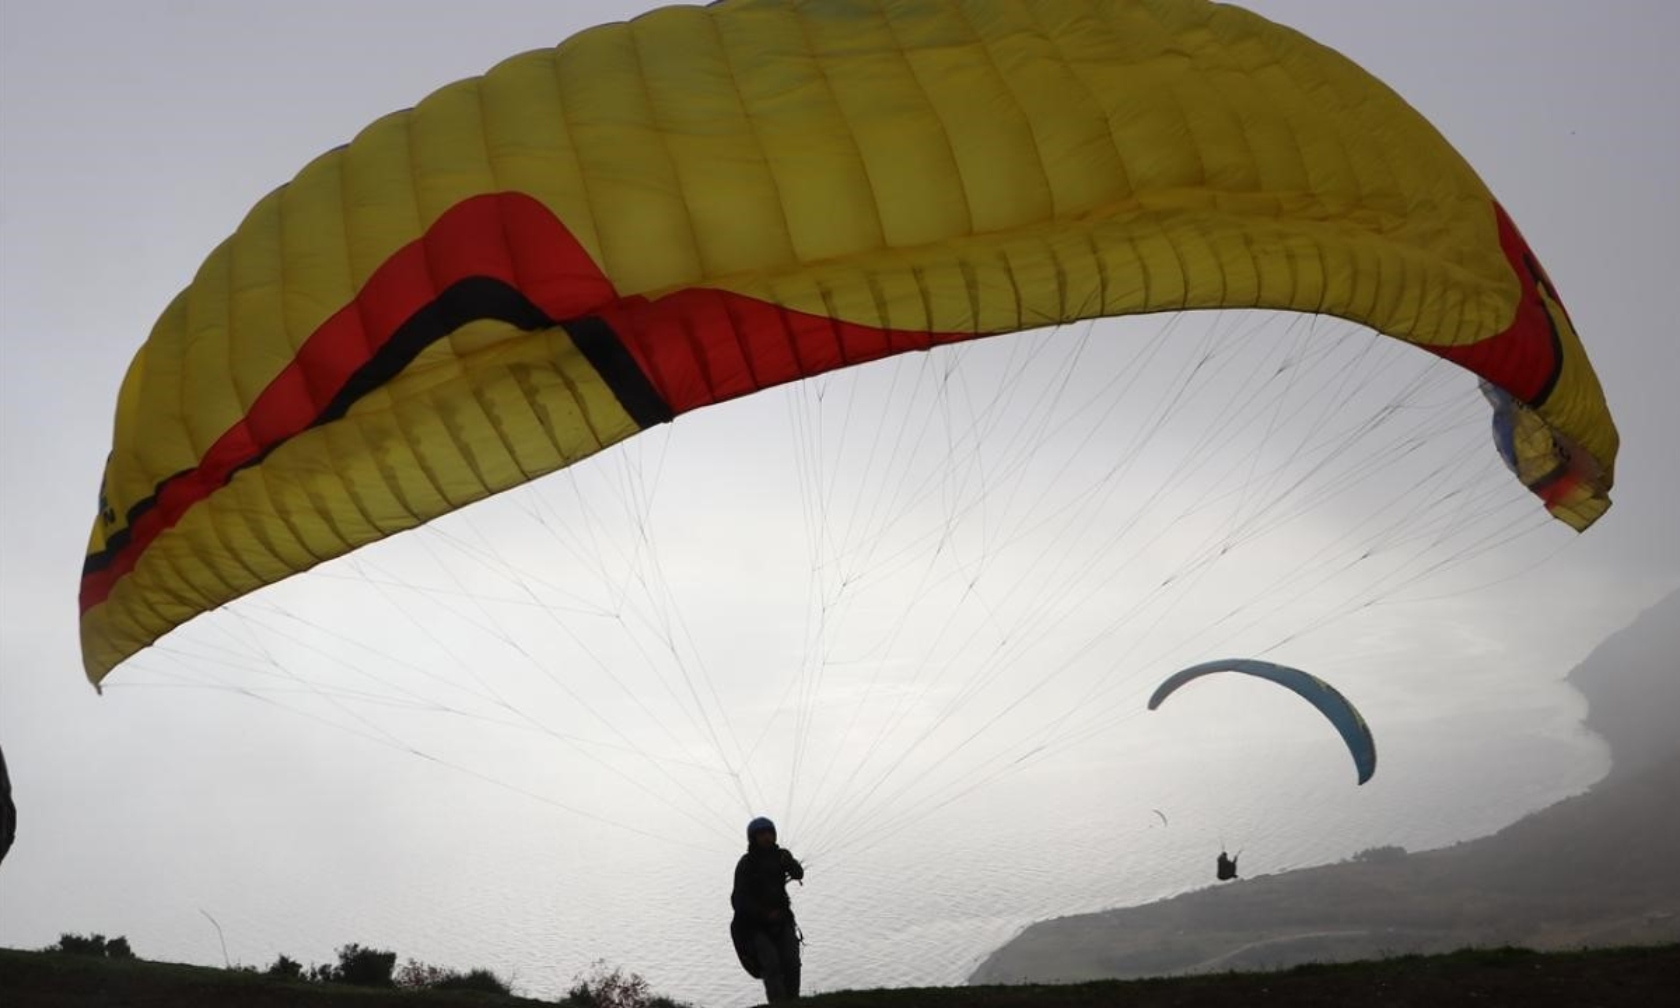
1330	702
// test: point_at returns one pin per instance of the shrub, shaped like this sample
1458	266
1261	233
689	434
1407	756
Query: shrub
1379	855
416	975
612	987
287	968
364	967
93	945
474	980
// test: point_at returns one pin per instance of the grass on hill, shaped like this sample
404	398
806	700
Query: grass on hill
1638	977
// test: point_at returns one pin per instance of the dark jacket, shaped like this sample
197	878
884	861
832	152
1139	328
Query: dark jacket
760	896
8	811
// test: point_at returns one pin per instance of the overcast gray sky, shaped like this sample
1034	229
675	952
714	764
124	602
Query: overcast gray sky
134	137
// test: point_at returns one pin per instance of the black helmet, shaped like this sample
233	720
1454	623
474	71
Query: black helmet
759	825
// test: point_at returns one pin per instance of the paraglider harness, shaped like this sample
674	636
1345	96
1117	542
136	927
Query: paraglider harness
740	935
1226	867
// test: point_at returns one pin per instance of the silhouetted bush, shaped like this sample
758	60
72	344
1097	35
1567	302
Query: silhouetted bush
93	945
612	987
474	980
1379	855
364	967
287	968
416	975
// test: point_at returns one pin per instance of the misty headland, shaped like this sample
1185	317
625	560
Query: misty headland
1595	869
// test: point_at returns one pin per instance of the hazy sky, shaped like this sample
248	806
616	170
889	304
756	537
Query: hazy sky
134	137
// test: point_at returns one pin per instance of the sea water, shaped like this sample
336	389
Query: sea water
452	870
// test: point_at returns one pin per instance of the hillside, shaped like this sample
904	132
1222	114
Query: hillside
1597	869
1606	978
1632	686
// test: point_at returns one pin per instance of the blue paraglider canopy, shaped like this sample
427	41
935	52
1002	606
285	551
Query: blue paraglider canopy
1314	690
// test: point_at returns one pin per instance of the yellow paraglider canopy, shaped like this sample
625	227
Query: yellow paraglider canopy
655	216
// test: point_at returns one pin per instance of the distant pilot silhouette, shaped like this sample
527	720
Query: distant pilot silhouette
1227	866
